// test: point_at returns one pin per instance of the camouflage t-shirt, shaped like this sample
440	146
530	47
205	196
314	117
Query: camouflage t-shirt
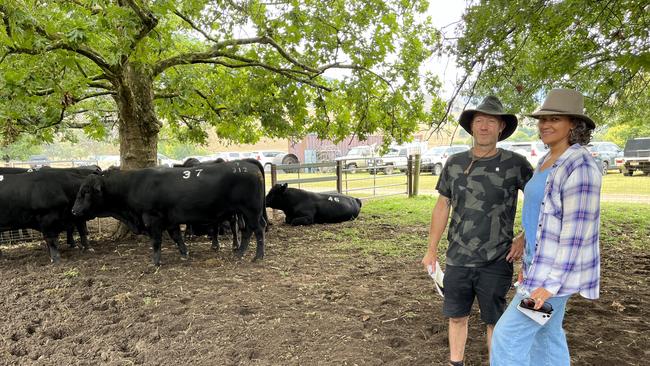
483	205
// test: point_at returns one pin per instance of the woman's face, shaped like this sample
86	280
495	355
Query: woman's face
554	129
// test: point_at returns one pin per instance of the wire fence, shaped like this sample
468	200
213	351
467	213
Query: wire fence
361	182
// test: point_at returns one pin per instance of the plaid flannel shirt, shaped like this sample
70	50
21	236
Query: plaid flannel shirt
567	255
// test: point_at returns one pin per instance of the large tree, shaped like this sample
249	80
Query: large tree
520	49
245	68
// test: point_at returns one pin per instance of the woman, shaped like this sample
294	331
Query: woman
561	218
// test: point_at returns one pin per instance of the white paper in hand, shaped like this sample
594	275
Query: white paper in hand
438	275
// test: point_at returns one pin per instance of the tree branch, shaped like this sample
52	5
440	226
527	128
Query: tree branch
57	43
166	96
270	68
149	22
196	28
94	95
286	55
216	110
188	58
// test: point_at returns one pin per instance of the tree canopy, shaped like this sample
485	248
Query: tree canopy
245	68
520	49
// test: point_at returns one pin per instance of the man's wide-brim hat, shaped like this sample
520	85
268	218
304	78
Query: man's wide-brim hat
564	102
490	105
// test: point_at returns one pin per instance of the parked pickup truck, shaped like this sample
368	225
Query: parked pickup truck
636	156
357	158
394	159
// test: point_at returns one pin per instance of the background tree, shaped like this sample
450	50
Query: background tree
520	49
245	68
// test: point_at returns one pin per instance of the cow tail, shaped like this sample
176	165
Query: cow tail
264	214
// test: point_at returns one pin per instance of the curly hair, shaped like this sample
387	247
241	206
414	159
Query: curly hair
580	133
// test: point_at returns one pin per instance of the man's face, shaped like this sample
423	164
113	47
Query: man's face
486	129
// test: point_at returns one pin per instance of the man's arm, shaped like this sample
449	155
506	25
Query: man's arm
439	219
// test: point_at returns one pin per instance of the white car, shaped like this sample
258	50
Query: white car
165	161
265	157
531	150
435	158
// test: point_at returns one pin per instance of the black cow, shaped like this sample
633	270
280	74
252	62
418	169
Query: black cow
189	162
305	208
152	200
235	223
42	201
80	225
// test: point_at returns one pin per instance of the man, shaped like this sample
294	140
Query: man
481	185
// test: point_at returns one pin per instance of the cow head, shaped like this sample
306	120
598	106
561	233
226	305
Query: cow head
274	198
89	196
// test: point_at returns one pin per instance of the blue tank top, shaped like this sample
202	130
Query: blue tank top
533	196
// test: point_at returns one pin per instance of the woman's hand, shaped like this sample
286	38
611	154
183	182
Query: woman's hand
540	295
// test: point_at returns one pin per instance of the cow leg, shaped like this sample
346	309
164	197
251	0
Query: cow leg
52	247
156	241
259	237
82	228
215	237
175	233
69	233
252	224
246	238
189	233
236	233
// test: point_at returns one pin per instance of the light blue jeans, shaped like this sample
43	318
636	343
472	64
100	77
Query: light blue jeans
519	341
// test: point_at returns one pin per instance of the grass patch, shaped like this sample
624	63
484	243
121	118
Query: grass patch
613	183
71	273
399	226
622	223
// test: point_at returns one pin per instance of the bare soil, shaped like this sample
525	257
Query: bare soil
308	303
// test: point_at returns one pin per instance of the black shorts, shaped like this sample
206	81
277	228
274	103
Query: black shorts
489	284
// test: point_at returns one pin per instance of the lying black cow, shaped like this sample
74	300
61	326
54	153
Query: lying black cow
152	200
42	200
305	208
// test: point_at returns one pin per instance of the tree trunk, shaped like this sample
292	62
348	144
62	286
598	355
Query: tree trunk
138	125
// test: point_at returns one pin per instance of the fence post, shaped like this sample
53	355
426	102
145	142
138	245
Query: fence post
274	180
409	176
274	175
339	176
416	175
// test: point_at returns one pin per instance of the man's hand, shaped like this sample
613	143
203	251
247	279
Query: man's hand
540	295
516	249
429	260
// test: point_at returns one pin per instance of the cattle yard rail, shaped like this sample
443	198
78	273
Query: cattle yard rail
396	180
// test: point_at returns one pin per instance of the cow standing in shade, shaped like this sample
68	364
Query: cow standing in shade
305	208
153	200
77	223
42	201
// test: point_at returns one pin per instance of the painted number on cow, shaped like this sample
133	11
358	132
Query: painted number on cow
239	169
335	199
188	173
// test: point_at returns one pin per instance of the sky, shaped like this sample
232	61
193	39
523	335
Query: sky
445	15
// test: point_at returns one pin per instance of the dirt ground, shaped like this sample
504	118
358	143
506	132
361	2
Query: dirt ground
308	303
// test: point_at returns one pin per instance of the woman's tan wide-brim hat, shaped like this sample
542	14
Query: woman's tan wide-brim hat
490	105
564	102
